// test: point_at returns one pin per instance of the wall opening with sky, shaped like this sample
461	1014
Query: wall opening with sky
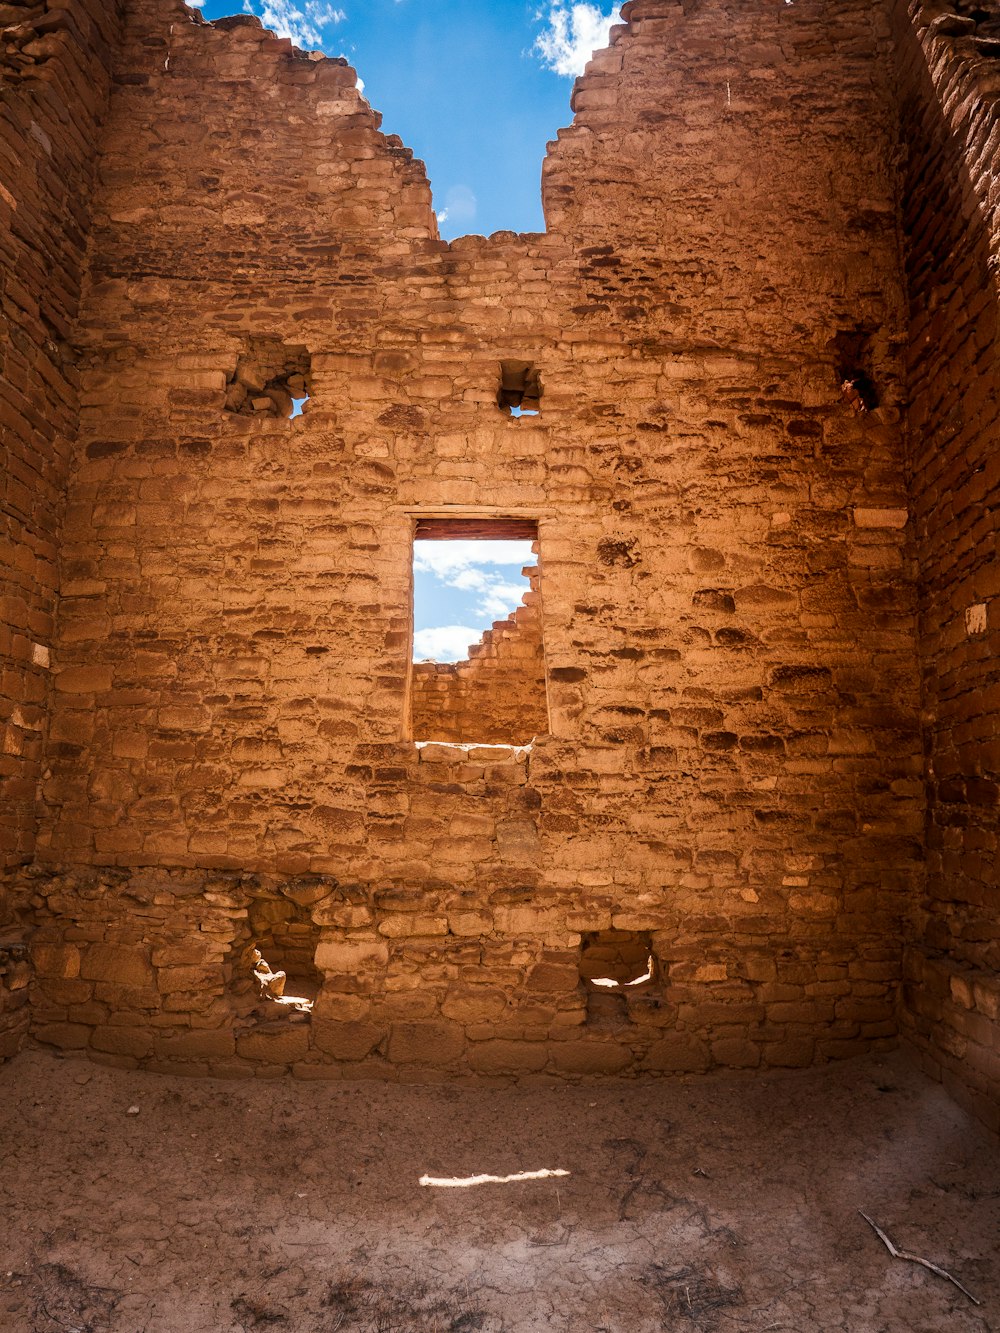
476	89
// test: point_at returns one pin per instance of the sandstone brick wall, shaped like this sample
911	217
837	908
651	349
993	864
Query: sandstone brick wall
52	57
147	968
496	695
952	130
732	767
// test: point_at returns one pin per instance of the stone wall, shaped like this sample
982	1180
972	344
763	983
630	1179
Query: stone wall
952	130
147	968
52	57
729	780
731	768
495	696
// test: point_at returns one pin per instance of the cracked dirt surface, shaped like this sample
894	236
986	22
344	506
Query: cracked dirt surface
714	1204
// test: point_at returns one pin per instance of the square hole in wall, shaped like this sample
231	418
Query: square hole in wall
273	960
271	379
478	674
520	390
615	964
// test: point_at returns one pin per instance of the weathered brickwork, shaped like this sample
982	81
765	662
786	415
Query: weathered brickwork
149	967
731	761
952	130
729	773
52	57
495	696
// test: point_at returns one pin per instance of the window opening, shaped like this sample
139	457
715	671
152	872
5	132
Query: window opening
520	390
616	959
479	671
852	349
271	379
278	961
614	965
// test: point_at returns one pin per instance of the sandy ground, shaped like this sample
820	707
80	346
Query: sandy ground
721	1203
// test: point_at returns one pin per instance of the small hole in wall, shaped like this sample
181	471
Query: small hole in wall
274	973
852	349
520	389
615	959
614	964
271	379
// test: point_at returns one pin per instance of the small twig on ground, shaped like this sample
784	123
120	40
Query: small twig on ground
49	1315
916	1259
626	1198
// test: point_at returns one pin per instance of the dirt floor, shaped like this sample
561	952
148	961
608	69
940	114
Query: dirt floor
149	1204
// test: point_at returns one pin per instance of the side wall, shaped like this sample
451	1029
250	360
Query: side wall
56	57
732	769
952	128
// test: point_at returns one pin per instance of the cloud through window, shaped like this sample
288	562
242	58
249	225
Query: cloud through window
460	589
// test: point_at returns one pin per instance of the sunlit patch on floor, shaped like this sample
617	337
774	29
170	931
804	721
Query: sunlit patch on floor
463	1182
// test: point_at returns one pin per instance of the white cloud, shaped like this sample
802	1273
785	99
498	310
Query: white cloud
469	580
572	35
443	215
445	643
448	558
470	566
303	23
499	599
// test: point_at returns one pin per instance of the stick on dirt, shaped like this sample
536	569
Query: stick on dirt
915	1258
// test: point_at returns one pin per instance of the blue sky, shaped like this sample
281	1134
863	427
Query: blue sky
459	589
475	87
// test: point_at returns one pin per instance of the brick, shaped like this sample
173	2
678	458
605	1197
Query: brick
206	1045
351	955
56	960
588	1057
274	1048
507	1057
347	1041
119	964
736	1053
435	1044
134	1042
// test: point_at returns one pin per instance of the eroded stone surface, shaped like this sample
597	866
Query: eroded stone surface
950	129
732	763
